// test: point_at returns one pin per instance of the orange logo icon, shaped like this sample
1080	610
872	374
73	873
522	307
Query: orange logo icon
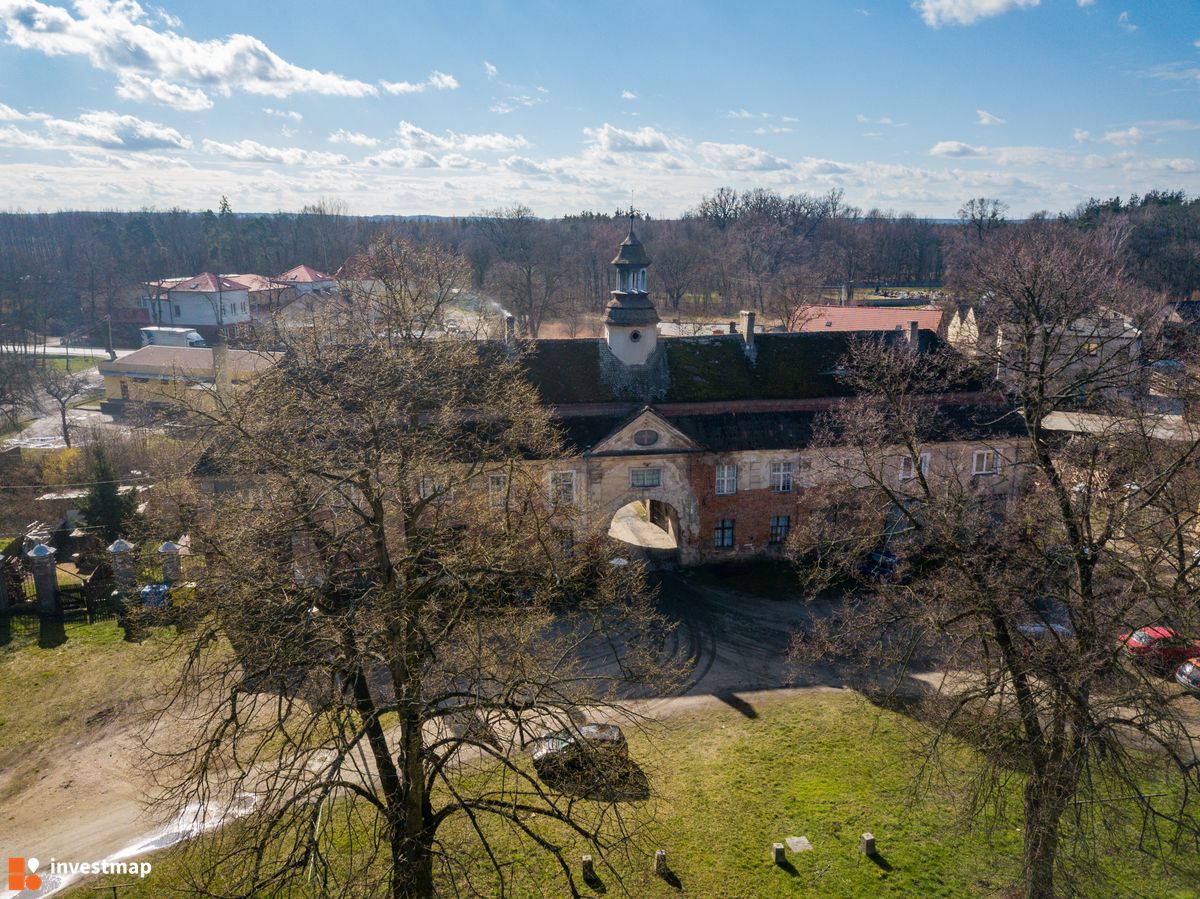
18	879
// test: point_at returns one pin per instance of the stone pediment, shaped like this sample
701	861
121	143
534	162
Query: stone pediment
646	432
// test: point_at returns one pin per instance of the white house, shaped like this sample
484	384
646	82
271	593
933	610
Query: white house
206	302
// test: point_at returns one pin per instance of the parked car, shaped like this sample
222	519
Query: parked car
155	596
1159	646
1037	632
1187	675
881	567
566	752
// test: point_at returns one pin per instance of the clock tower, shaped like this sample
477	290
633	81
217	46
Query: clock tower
630	319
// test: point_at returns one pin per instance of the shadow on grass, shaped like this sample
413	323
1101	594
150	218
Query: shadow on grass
619	781
738	704
882	863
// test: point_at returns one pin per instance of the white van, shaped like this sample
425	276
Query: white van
171	337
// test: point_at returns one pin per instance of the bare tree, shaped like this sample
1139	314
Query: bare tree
392	604
63	388
980	216
1020	566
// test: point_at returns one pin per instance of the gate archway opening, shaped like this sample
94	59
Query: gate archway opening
648	524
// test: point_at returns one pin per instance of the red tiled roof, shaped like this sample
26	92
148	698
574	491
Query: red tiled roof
818	318
257	282
304	273
205	282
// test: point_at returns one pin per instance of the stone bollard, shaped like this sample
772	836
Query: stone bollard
777	856
121	558
589	870
172	562
866	844
45	580
660	862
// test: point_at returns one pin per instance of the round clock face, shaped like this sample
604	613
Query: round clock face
635	336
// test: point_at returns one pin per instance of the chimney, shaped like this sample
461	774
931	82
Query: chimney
747	318
733	327
914	338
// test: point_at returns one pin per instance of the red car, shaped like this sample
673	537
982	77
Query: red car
1159	646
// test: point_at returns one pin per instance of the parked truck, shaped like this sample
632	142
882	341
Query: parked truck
171	337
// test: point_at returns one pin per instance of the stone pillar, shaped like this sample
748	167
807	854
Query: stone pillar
172	563
45	580
122	560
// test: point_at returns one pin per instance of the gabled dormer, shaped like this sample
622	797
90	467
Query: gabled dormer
646	432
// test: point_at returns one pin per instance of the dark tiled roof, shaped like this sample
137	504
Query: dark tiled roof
702	369
726	432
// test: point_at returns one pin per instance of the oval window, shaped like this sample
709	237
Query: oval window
645	437
635	336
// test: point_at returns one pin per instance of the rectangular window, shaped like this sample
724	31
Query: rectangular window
781	525
426	487
985	462
562	488
908	472
726	479
781	477
178	311
645	477
723	534
497	489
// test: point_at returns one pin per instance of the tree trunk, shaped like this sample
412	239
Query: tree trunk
1045	800
66	427
412	866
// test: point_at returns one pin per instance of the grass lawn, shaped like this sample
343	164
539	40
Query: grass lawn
78	363
48	695
824	765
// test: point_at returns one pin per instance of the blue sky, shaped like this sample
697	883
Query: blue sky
453	107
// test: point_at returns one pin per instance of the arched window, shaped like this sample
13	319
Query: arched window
642	280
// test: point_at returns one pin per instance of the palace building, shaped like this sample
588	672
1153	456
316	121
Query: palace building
692	449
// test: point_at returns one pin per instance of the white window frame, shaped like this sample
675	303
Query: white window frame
557	481
635	472
782	474
781	528
979	466
727	478
907	473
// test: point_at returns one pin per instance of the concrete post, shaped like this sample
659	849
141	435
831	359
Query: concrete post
777	856
121	558
589	869
660	862
45	580
866	844
172	563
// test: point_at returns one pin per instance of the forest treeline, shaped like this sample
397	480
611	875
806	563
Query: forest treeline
63	272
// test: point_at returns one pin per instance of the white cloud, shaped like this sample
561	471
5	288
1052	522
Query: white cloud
490	69
354	138
1086	2
956	148
1124	21
113	131
887	121
8	114
524	165
414	137
11	136
746	114
986	118
1128	138
132	86
438	81
774	129
511	104
284	114
253	151
612	139
739	158
936	13
118	36
1081	136
628	95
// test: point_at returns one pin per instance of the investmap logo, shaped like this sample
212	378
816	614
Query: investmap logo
21	874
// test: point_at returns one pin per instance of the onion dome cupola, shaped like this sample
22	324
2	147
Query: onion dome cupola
630	319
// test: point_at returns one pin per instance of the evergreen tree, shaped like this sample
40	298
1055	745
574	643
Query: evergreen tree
105	506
